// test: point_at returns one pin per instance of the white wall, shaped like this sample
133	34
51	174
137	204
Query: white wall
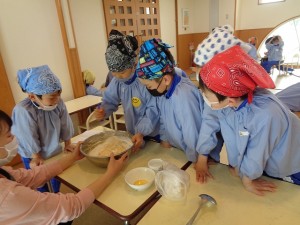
250	15
226	12
30	32
199	16
168	24
188	5
30	36
90	32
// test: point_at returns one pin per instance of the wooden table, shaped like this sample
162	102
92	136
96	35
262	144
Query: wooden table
119	199
235	205
84	102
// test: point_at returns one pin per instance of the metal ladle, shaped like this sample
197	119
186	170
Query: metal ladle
206	200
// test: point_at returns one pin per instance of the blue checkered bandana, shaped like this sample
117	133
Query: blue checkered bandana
153	61
38	80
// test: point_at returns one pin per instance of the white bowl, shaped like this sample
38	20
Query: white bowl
140	178
156	164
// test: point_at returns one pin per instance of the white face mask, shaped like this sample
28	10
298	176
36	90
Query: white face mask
210	104
44	107
12	150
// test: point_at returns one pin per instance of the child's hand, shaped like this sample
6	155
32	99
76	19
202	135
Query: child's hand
99	113
165	144
202	172
233	171
258	186
138	141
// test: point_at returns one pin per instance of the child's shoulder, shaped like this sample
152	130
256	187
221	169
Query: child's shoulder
24	104
267	108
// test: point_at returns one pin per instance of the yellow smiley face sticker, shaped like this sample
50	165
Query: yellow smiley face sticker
136	102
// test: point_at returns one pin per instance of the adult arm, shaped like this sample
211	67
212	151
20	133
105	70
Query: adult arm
29	205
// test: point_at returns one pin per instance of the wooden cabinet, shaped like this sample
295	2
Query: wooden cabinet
133	17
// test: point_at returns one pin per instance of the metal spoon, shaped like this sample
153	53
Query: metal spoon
206	200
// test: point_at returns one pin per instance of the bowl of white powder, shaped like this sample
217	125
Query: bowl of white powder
99	147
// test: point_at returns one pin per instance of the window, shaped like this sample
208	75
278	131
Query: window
290	34
261	2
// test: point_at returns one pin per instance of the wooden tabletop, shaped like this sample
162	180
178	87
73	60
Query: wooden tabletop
235	205
119	199
81	103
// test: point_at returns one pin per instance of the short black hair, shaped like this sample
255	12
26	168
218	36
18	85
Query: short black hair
4	119
203	87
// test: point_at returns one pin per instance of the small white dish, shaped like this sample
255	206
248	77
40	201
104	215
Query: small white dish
156	164
140	178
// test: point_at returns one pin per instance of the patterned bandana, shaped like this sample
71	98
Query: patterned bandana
120	53
88	77
220	39
153	61
233	73
38	80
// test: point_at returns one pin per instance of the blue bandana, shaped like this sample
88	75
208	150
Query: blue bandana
38	80
153	61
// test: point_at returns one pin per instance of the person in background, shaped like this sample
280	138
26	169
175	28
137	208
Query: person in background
89	80
290	97
179	101
252	41
275	48
21	204
140	110
256	144
41	120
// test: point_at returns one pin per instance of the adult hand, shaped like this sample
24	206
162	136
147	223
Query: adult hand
258	186
36	160
99	114
115	165
75	151
69	148
138	141
73	154
202	172
165	144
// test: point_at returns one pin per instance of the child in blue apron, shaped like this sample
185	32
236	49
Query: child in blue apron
140	110
258	130
41	120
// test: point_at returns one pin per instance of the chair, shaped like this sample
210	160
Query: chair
118	117
92	122
291	64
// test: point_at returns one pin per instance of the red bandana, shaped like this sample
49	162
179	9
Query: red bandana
233	73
